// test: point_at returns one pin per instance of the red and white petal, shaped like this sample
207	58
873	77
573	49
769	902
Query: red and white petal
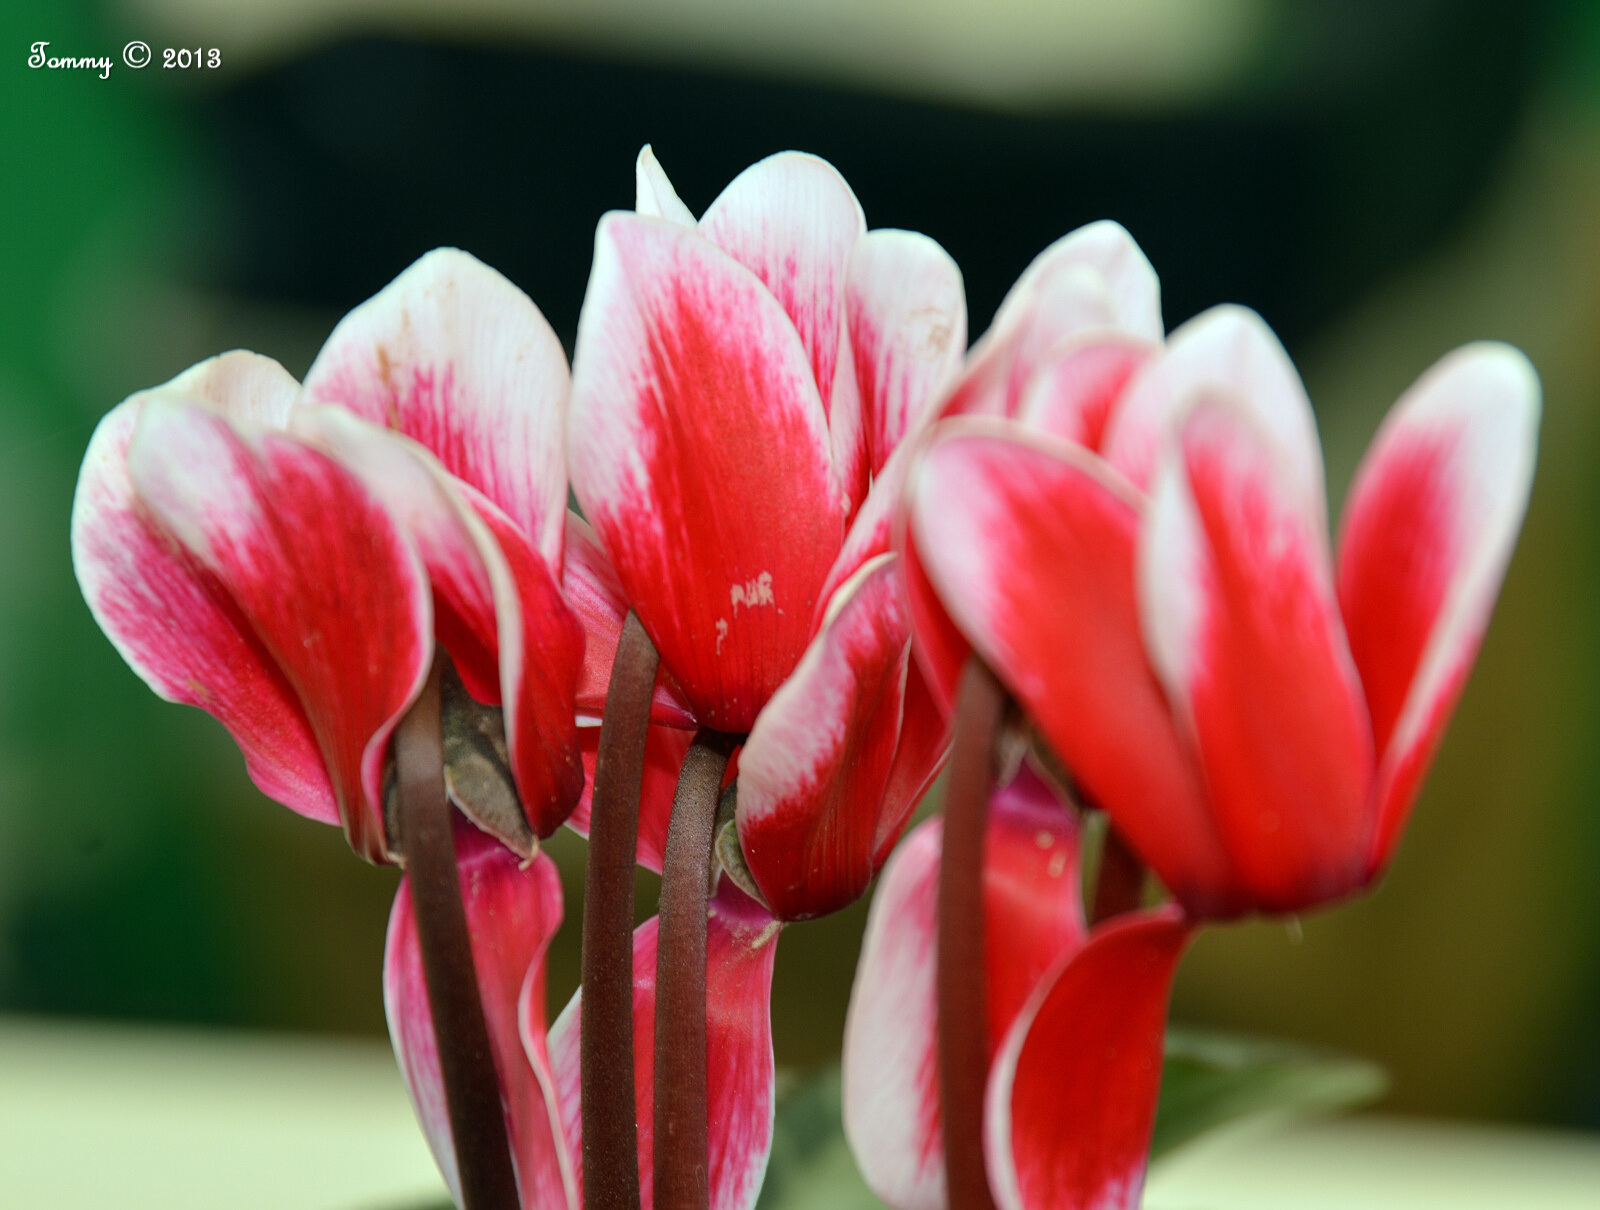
792	221
1432	518
938	647
1242	625
1030	544
741	942
701	456
1072	299
1094	278
653	192
813	772
512	912
906	315
497	609
1033	916
1032	897
328	580
664	750
847	432
457	358
541	657
1076	391
177	626
919	755
1071	1100
890	1059
456	548
243	386
590	584
871	532
741	945
1106	248
1227	351
591	587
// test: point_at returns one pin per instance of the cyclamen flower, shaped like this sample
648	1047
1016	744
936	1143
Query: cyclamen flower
1075	1018
1134	537
740	386
287	558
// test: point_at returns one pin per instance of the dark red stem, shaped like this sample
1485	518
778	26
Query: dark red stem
963	1024
466	1062
610	1116
682	1139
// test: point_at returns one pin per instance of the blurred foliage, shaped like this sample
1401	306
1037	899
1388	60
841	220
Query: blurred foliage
140	874
1209	1080
811	1164
1212	1079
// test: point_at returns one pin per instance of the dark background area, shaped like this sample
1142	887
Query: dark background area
339	166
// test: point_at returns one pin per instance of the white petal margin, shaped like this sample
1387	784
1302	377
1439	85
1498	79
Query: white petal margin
792	221
653	192
1107	249
243	386
456	357
890	1060
1004	363
1229	351
906	312
1173	570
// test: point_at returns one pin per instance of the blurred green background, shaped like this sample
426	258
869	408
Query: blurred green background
1382	181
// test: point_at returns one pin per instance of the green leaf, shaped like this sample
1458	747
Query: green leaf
1211	1079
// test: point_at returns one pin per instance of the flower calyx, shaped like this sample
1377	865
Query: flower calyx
729	852
477	771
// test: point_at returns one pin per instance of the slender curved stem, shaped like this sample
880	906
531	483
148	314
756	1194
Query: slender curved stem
682	1136
963	1024
1119	885
466	1062
610	1116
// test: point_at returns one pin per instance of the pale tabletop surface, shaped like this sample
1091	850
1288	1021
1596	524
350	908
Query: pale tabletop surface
135	1117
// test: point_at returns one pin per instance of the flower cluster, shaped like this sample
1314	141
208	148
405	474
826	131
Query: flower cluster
1131	532
820	507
